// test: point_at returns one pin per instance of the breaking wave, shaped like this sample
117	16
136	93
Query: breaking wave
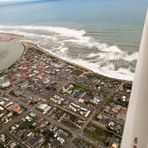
75	46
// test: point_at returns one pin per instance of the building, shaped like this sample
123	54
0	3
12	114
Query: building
5	84
15	107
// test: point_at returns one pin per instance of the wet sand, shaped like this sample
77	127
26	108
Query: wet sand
10	49
8	37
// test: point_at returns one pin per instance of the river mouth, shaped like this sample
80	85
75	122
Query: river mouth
10	50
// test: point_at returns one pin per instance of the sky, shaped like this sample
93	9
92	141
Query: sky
5	1
12	0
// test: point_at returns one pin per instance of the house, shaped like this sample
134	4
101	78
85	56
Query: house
115	145
15	107
5	84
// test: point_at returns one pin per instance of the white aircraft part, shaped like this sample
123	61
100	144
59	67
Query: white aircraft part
135	133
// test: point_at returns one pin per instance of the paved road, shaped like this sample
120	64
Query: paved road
75	133
13	121
15	139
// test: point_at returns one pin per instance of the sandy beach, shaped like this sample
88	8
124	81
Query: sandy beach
8	37
10	50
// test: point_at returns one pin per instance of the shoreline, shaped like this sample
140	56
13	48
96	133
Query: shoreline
87	70
8	36
3	70
27	44
30	44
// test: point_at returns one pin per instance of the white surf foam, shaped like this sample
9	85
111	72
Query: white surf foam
60	30
26	34
132	57
112	49
92	55
107	70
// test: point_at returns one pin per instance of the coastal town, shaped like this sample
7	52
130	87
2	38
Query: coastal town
47	102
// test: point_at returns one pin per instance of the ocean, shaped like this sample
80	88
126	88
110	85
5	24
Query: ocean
102	35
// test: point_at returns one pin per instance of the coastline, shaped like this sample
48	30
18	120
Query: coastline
8	36
26	45
33	45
